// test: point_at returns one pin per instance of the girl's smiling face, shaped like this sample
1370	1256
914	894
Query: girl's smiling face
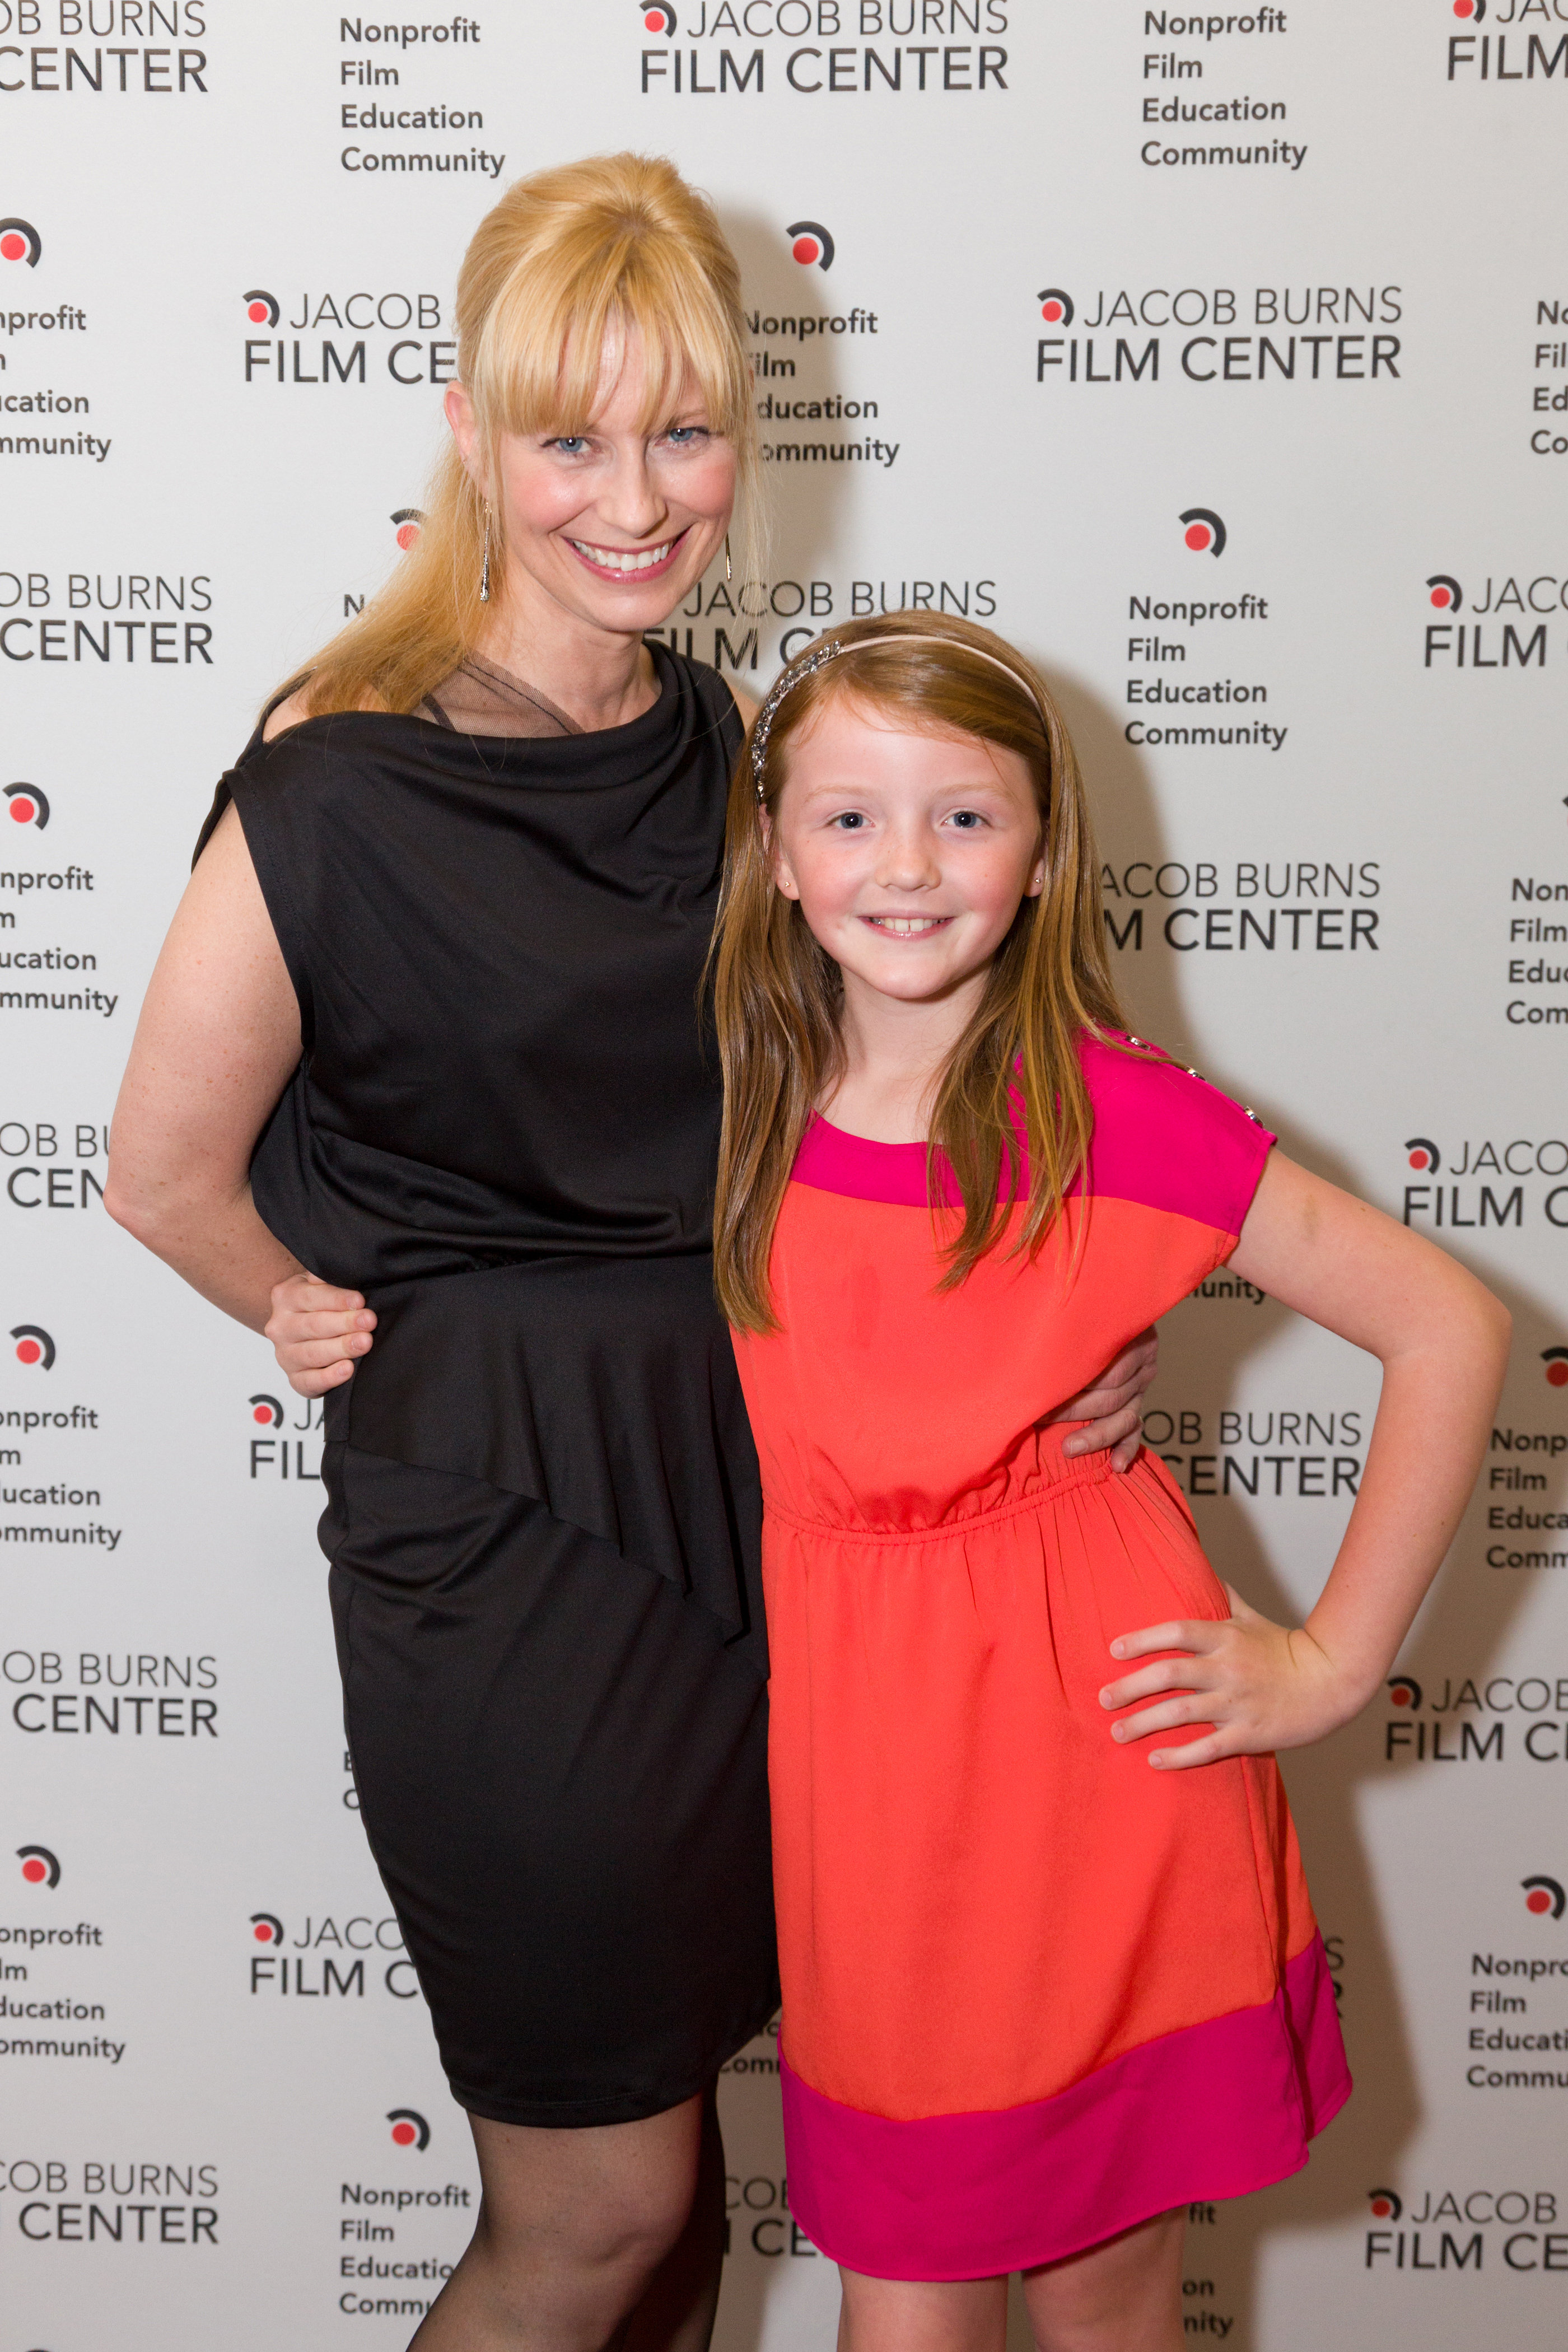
910	851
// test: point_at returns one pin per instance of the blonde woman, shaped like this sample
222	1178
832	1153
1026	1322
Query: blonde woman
426	1026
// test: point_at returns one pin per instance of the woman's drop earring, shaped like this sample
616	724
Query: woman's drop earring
728	568
485	569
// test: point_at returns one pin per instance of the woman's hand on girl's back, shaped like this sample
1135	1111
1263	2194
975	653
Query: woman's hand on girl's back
1442	1339
317	1332
1111	1410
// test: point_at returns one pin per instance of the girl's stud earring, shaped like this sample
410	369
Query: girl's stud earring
485	568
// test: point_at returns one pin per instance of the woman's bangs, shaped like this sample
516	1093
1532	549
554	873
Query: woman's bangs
685	348
688	350
542	362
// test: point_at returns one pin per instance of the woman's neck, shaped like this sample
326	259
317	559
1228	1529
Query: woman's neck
894	1055
600	677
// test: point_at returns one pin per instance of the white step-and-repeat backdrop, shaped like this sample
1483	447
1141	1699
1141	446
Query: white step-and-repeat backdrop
1219	358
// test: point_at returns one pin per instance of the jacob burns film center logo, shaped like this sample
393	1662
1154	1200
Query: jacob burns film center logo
39	1866
1540	2248
409	2128
33	1346
20	241
1204	533
26	804
272	1452
811	245
271	1971
1464	645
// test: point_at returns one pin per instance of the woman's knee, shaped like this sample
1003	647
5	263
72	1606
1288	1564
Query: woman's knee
611	2239
611	2199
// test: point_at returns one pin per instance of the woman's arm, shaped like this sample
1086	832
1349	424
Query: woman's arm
1442	1339
217	1044
1111	1410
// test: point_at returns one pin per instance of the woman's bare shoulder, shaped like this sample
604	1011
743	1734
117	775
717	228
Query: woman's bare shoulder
745	704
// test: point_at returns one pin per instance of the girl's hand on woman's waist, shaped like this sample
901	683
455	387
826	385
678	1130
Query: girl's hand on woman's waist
316	1331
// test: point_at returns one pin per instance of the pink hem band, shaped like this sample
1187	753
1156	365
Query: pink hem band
1217	2110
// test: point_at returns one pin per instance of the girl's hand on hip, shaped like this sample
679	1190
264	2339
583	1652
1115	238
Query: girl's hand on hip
316	1331
1111	1409
1260	1687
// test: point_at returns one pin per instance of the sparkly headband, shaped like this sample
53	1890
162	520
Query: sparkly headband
813	662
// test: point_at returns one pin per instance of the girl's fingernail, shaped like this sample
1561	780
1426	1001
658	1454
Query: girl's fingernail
1119	1648
1118	1731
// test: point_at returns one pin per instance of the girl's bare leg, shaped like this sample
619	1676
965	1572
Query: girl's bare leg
1122	2297
918	2315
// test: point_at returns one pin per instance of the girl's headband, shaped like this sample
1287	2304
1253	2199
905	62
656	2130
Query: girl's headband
813	662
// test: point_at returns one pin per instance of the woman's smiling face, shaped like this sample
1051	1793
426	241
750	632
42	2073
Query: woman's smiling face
614	523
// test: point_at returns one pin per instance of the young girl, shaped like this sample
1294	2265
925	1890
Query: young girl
1049	1967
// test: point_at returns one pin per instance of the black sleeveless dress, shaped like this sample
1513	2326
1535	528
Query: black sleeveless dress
543	1508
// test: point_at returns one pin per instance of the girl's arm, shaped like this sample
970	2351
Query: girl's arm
1442	1339
216	1043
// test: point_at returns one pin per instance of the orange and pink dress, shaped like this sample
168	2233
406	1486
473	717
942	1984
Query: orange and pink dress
1035	1990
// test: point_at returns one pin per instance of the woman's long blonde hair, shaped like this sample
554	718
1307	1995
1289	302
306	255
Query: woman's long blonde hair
613	247
777	995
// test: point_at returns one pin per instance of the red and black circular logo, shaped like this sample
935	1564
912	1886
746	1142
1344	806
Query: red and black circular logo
39	1866
1443	593
1056	306
659	20
409	2128
1423	1154
266	1928
34	1345
266	1411
27	806
408	520
1556	1362
20	241
1472	11
261	308
1386	2204
811	245
1543	1896
1404	1690
1204	533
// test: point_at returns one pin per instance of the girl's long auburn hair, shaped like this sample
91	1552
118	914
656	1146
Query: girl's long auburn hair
777	995
615	246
